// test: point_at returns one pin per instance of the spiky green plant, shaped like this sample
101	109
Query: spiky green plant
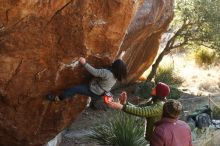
167	75
120	129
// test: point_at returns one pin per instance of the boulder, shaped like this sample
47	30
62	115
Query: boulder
40	43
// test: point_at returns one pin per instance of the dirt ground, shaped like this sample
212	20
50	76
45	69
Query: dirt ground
76	134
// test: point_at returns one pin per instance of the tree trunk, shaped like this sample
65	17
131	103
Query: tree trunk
169	46
156	64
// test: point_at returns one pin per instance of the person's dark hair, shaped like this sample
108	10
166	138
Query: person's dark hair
119	69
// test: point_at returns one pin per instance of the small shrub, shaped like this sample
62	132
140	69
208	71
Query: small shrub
205	57
144	89
216	112
166	75
120	130
174	93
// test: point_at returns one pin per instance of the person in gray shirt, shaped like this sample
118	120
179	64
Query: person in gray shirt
104	79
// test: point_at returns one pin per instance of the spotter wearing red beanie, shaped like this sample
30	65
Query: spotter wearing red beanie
162	90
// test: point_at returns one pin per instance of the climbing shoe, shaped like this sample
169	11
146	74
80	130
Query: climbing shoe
52	97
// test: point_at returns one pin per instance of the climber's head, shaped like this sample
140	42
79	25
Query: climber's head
172	109
161	91
119	69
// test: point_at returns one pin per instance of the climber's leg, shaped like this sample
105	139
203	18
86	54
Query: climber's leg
70	92
80	89
52	97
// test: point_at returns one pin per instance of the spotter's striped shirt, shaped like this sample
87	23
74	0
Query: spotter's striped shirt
152	113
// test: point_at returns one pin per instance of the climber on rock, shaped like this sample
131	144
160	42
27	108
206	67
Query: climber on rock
103	81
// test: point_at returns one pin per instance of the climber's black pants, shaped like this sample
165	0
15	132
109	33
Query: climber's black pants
80	89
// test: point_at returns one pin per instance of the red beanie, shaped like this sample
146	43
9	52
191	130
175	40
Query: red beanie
162	90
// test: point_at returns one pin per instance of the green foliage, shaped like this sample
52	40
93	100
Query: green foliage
205	56
174	93
144	89
120	130
216	112
166	75
197	22
209	17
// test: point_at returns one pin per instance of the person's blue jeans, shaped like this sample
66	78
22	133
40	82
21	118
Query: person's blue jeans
80	89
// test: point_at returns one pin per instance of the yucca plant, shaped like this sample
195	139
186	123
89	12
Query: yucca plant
120	129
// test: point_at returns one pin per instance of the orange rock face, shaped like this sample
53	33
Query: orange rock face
40	42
